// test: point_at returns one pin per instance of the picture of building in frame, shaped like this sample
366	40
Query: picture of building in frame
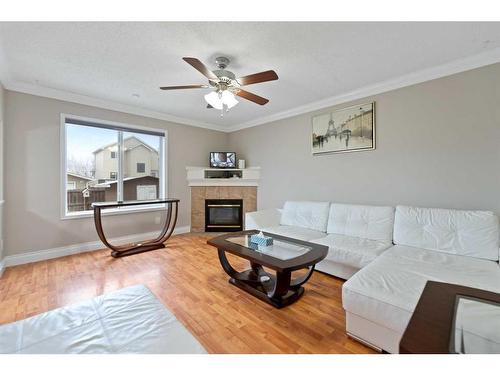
343	130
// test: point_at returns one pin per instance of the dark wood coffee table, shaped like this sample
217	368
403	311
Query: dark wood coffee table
283	257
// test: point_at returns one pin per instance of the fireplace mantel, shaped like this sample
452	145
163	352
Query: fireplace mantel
244	187
197	176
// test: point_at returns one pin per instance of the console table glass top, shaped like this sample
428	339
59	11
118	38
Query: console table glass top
133	203
280	249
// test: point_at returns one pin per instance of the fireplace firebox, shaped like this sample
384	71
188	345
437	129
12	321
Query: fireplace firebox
223	215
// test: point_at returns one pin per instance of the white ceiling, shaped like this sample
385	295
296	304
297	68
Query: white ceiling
315	61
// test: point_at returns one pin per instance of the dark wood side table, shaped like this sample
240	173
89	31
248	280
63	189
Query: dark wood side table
171	205
430	328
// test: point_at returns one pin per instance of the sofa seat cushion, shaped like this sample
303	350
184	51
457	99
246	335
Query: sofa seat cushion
386	291
310	215
299	233
352	251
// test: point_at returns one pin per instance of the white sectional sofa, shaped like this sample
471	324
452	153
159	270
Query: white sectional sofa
354	234
451	246
388	256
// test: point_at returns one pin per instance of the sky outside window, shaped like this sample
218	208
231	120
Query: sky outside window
82	141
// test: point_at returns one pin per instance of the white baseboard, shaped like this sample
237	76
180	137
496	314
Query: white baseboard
36	256
2	267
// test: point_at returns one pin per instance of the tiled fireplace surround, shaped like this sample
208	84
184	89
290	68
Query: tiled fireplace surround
199	193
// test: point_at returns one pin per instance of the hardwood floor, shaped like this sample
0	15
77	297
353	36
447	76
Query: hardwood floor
188	279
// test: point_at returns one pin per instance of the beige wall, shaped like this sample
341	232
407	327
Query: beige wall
32	187
438	145
2	112
2	121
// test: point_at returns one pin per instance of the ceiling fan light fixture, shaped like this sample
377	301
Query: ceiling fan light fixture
213	99
220	99
228	99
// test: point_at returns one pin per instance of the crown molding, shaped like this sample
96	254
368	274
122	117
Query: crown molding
47	92
454	67
10	84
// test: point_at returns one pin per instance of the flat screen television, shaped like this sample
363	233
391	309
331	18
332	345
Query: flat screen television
223	160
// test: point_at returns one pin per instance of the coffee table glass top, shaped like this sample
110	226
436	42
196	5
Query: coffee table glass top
280	249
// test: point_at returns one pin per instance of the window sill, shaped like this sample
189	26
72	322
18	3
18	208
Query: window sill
113	211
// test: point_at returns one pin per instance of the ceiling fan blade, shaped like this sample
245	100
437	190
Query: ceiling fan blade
184	87
269	75
199	66
252	97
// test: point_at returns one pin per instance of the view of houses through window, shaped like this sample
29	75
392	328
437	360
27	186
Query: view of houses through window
99	170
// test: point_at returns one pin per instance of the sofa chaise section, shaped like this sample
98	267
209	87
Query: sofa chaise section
452	246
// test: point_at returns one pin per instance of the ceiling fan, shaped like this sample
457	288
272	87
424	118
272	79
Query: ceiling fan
225	85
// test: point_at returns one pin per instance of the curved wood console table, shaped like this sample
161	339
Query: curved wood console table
171	205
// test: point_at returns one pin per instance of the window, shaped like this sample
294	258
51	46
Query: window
127	175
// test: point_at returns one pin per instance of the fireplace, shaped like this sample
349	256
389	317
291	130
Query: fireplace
223	215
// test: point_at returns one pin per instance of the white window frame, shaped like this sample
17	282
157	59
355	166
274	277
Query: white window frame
162	169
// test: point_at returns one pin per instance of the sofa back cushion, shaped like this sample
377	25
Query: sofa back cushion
468	233
311	215
370	222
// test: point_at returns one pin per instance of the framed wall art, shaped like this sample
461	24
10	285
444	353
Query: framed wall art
344	130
